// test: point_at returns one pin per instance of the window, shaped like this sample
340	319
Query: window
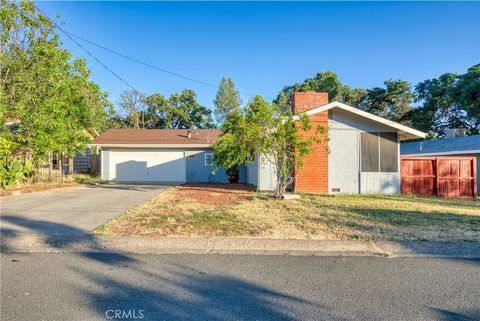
379	152
369	152
208	159
388	152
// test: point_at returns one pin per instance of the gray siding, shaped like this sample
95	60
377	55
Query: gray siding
198	172
344	157
81	162
252	172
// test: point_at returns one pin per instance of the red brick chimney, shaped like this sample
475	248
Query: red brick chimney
304	101
313	176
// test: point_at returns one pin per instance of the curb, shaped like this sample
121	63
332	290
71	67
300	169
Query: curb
217	245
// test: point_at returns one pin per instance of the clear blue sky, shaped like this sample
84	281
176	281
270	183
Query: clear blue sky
264	46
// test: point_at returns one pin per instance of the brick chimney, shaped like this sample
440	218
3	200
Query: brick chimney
313	176
304	101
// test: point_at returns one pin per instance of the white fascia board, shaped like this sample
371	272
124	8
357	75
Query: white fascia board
401	128
152	145
458	152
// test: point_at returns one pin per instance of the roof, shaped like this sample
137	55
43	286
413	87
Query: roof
446	146
157	137
404	132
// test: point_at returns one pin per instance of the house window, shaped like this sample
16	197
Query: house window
379	152
208	159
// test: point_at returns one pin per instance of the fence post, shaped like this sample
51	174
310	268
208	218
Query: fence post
475	178
61	166
50	166
70	165
435	174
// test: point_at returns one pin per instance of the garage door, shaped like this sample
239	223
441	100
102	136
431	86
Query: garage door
147	165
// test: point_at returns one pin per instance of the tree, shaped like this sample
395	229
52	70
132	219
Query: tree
450	101
469	96
263	129
327	82
132	103
47	93
227	100
392	102
180	111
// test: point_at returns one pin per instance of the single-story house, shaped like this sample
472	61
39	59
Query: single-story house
362	155
451	146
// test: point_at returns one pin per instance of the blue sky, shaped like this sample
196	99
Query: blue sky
264	46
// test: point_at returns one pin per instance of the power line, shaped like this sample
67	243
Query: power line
88	52
150	65
71	36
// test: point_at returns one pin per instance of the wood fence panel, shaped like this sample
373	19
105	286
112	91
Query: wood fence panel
418	176
452	177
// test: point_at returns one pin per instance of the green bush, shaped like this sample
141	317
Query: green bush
12	171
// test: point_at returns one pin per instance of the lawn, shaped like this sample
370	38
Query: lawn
226	210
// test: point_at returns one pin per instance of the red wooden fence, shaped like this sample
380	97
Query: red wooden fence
452	177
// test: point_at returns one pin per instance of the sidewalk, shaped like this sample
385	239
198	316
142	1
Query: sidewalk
210	245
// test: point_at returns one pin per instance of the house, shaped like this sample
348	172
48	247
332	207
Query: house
362	156
455	144
169	156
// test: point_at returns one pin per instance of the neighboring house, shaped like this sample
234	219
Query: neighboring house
84	162
363	154
451	146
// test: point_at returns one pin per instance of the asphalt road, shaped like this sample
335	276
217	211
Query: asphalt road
70	211
63	286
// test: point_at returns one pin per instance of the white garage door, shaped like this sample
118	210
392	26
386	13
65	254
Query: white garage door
147	165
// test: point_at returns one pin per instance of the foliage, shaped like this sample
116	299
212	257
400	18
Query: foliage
48	95
327	82
392	102
132	104
450	101
263	129
180	111
227	100
13	171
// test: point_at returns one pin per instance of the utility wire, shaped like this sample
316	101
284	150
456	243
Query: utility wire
71	36
87	51
150	65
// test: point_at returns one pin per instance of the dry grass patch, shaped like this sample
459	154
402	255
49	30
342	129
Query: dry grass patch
222	210
68	181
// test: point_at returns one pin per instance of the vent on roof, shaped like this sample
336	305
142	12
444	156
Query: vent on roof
455	132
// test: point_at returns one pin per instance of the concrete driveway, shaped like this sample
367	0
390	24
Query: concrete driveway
66	211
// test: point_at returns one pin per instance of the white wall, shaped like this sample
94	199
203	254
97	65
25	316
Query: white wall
267	174
144	165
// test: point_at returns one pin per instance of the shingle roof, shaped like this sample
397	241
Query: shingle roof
458	145
158	136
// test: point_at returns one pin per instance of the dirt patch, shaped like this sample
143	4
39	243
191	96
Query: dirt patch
216	195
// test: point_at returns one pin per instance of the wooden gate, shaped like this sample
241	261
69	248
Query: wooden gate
453	177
